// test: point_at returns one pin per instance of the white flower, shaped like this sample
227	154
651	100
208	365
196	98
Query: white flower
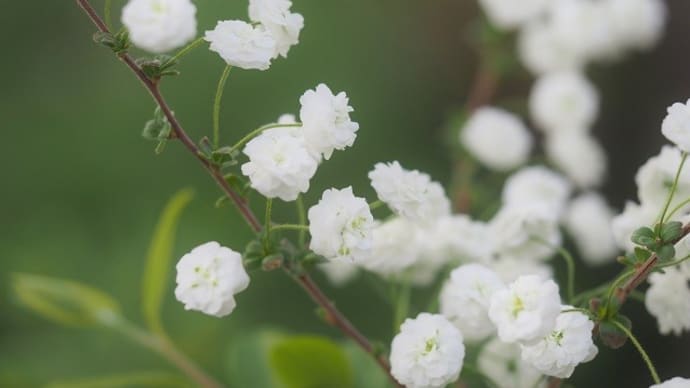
637	23
588	220
339	272
579	156
208	277
676	125
497	138
242	45
668	300
536	185
510	268
567	345
525	232
509	14
159	26
394	248
501	362
455	238
279	163
283	25
326	121
427	353
341	226
465	298
633	217
543	51
563	101
655	178
585	27
411	194
676	382
527	310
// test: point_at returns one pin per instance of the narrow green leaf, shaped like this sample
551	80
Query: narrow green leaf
140	379
63	301
310	362
157	267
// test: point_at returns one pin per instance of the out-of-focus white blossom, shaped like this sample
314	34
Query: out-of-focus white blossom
655	178
465	299
497	138
394	247
525	232
242	45
208	278
501	362
509	14
283	25
588	220
563	101
537	185
341	226
637	24
427	353
339	272
510	268
159	26
566	346
409	193
326	121
633	217
585	27
676	382
543	51
676	125
579	156
668	300
279	166
527	310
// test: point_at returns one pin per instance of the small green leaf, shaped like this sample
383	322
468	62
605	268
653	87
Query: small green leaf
641	254
239	184
157	266
157	67
670	231
63	301
272	262
158	128
118	42
666	252
644	236
310	362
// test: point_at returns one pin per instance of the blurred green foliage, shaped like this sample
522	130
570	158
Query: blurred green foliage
82	190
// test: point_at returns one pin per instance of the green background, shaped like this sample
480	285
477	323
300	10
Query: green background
81	190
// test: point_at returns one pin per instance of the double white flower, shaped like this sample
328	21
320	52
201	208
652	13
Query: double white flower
159	26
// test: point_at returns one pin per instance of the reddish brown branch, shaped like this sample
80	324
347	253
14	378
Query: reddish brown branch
335	317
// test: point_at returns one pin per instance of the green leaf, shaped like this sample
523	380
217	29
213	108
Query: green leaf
611	335
63	301
247	361
157	267
666	252
310	362
644	236
670	231
158	129
641	254
368	374
118	42
140	379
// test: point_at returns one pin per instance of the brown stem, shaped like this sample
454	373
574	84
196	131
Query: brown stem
334	315
337	319
484	87
643	271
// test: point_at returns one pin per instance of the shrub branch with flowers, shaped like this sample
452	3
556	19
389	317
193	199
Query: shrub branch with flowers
497	317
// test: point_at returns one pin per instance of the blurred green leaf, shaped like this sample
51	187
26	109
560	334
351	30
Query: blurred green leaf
310	362
158	259
367	372
671	231
141	379
247	362
63	301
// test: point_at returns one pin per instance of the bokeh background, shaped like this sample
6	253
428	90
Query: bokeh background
81	190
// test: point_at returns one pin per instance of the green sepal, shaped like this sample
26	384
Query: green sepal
118	42
611	335
158	66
